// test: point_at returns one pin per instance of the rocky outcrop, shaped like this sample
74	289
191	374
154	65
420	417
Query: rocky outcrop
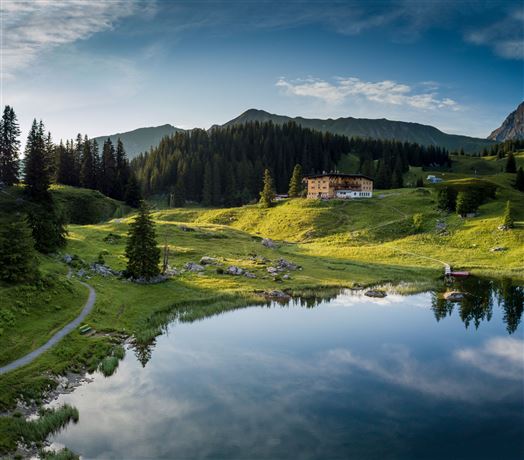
511	128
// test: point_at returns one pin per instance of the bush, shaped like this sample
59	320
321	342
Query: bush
418	222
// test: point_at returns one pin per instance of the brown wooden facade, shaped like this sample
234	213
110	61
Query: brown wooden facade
336	185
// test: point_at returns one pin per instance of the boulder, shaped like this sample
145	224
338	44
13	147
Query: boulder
284	264
104	270
234	270
498	249
250	275
185	228
276	294
206	260
193	267
67	258
286	277
454	296
375	293
269	243
171	271
272	270
154	280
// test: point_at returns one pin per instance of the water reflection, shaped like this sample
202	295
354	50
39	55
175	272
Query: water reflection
477	303
348	377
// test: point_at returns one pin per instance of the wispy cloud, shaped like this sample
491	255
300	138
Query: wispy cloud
384	92
30	28
505	37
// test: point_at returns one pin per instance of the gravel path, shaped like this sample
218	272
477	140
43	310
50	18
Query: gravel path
57	337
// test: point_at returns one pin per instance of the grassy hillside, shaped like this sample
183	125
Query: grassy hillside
79	205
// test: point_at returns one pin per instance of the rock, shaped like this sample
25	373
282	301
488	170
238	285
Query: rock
286	277
193	267
81	273
276	294
284	264
375	293
503	227
104	270
171	271
498	249
185	228
206	260
234	270
269	243
67	258
272	270
154	280
454	296
250	275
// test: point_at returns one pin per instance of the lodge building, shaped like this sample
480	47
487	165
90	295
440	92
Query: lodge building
338	186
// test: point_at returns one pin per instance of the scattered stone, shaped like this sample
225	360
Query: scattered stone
234	270
171	271
269	243
104	270
498	249
206	260
193	267
185	228
284	264
81	273
503	227
250	275
375	293
286	277
154	280
454	296
112	238
276	294
272	270
67	258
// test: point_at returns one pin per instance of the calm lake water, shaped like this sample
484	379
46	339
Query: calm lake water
405	377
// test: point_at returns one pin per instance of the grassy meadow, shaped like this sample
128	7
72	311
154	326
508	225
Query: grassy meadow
336	244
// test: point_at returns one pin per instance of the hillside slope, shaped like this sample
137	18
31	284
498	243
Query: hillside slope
141	139
512	127
372	128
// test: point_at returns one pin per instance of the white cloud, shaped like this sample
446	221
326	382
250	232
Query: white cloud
505	37
32	28
500	357
383	92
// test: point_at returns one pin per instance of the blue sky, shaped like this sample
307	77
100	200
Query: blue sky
101	67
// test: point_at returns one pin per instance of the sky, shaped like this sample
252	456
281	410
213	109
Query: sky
102	67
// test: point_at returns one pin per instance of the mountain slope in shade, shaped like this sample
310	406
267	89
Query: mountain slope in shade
373	128
141	139
512	127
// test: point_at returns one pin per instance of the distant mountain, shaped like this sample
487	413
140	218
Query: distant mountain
141	139
512	127
373	128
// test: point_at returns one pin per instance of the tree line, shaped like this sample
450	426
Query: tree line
226	165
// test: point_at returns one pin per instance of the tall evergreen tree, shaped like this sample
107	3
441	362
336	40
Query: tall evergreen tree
295	184
466	203
133	195
508	221
207	191
108	169
511	164
519	180
9	147
122	171
18	261
36	163
267	195
88	170
142	252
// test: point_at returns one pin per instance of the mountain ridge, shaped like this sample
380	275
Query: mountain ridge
512	127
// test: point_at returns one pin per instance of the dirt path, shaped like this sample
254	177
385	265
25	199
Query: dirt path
58	336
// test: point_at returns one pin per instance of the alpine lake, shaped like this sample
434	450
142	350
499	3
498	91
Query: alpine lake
339	376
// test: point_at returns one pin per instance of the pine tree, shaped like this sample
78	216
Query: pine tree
466	203
382	177
511	165
48	225
122	171
9	147
295	184
18	260
88	169
397	181
179	193
142	251
519	180
267	195
133	195
36	163
207	191
508	220
108	169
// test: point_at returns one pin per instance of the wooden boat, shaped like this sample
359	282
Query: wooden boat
460	274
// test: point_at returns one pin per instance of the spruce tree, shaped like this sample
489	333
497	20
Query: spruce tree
466	203
207	191
88	168
18	260
508	220
519	180
511	165
36	163
179	193
133	195
142	252
122	171
295	184
267	195
108	169
9	147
